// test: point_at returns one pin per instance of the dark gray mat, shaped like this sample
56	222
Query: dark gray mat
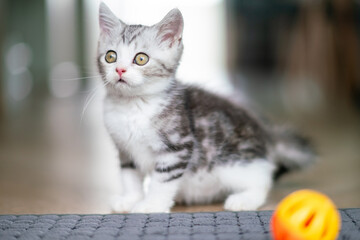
174	226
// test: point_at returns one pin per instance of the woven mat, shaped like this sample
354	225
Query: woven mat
174	226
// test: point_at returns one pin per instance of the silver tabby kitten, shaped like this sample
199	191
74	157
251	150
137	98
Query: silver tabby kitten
195	146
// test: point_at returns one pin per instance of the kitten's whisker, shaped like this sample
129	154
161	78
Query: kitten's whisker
92	68
91	72
90	97
75	79
94	90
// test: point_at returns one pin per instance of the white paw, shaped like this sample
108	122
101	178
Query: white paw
244	202
122	204
151	207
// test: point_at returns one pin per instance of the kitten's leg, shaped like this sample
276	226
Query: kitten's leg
132	187
164	184
248	183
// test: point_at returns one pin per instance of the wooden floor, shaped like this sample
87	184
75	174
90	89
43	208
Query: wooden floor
52	162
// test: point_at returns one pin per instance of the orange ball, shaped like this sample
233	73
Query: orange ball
305	215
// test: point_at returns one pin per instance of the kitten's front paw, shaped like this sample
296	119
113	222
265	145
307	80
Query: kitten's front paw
151	207
243	202
122	204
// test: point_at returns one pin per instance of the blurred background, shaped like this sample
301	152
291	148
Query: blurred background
296	62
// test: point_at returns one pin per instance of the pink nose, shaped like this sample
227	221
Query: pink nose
120	71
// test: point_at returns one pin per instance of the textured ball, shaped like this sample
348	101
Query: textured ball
305	215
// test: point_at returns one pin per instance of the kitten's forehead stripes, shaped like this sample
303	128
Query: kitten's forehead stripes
131	32
134	37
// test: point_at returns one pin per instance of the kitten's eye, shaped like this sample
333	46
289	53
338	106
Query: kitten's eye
141	59
110	56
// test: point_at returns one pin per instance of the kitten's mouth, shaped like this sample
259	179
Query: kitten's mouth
122	81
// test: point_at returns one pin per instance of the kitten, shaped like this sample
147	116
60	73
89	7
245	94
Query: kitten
197	147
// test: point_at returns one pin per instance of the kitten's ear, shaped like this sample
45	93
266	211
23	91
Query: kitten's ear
170	28
107	19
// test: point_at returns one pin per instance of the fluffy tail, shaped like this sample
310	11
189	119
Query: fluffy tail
291	151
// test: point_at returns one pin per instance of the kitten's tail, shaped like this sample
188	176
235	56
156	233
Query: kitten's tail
291	151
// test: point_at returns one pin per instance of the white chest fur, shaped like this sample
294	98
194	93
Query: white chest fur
129	124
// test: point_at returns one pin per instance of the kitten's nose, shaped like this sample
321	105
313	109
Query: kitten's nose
120	71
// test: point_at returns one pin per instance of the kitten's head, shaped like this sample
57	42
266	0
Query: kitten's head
137	60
